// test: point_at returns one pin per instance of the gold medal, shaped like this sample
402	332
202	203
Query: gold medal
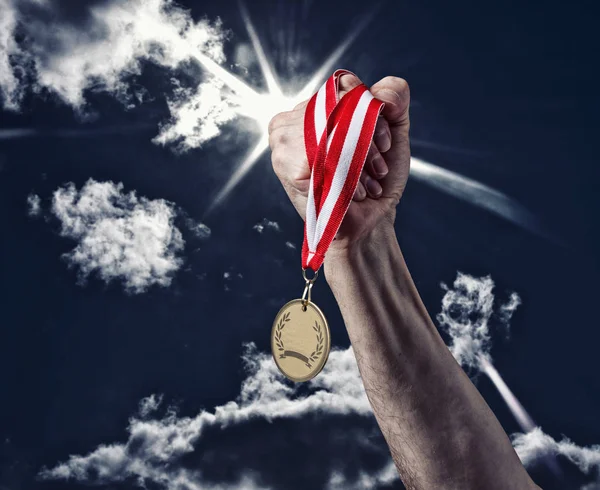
300	338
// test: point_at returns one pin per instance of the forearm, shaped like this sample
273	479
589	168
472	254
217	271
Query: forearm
440	431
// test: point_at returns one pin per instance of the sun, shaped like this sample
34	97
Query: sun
264	107
261	107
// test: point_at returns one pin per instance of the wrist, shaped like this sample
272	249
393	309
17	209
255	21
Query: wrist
371	245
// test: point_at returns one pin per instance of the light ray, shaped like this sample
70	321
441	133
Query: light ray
263	107
325	70
522	417
240	172
478	194
229	79
20	133
16	133
514	405
265	66
417	143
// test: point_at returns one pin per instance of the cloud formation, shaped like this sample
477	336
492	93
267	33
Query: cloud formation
197	115
364	480
536	446
156	448
106	51
266	224
200	230
467	315
119	235
34	205
11	92
189	451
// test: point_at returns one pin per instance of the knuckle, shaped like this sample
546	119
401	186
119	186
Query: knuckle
278	138
276	121
299	173
399	84
273	123
278	161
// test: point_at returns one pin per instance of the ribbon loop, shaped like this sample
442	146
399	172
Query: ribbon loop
337	137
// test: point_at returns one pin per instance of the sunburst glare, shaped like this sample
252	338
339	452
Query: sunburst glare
262	107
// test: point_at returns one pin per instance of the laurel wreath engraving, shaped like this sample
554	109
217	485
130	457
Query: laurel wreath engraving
281	348
282	321
319	349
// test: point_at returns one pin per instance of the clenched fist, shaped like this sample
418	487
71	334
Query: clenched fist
386	170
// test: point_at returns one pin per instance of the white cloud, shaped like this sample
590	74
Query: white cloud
266	224
34	207
196	116
149	405
505	312
200	230
10	90
467	312
121	36
120	235
364	481
106	51
161	443
535	446
155	447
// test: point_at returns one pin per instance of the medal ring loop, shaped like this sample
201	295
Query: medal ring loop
308	287
311	279
306	294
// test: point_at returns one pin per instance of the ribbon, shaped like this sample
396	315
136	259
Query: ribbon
337	137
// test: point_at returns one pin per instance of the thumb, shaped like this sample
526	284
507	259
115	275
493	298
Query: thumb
395	93
347	82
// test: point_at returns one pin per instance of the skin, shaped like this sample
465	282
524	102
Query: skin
440	431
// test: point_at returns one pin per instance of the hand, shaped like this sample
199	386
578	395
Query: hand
386	170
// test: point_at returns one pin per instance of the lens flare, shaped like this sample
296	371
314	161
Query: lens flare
262	107
523	418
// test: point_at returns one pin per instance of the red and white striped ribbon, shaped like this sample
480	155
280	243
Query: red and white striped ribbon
337	136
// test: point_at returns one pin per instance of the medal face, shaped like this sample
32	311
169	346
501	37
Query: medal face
300	340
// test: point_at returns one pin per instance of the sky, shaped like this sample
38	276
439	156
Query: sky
137	296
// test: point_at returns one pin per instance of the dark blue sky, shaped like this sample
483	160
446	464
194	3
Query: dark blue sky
504	94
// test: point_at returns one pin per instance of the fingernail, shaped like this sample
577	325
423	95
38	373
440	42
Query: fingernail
383	141
360	193
373	187
380	166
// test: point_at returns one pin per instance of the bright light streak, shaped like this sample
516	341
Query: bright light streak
514	405
233	82
16	133
20	133
265	66
240	172
327	68
478	194
417	143
523	418
262	107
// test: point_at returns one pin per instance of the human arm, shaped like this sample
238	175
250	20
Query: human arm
440	431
